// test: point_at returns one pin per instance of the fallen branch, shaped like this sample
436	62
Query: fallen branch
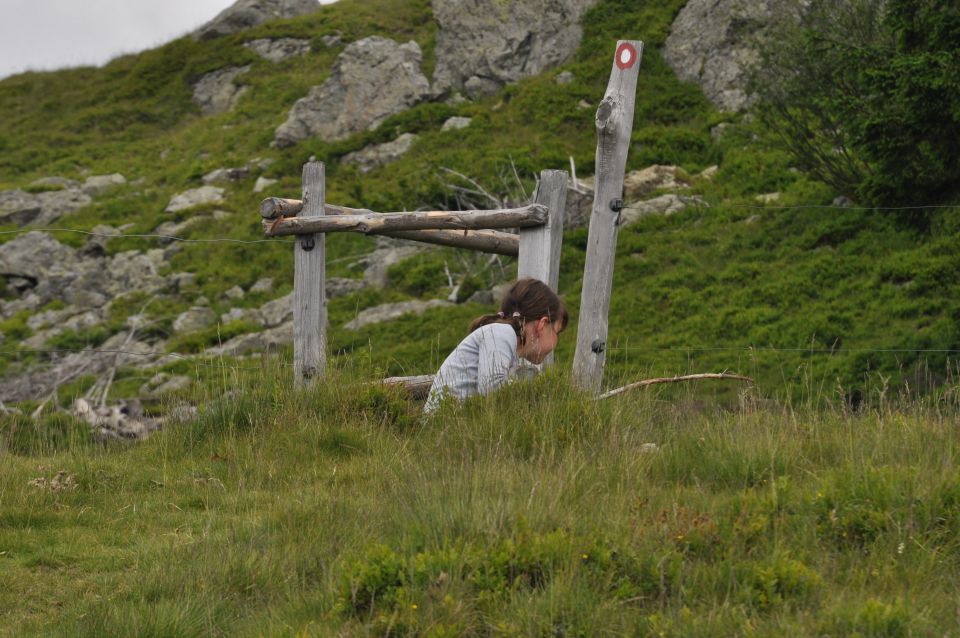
688	377
418	386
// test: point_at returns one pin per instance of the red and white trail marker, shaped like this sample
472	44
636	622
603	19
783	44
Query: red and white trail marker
627	56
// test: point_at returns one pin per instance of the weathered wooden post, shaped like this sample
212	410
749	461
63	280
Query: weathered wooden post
540	245
309	290
614	127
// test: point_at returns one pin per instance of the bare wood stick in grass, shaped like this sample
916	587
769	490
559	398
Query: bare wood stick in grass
723	376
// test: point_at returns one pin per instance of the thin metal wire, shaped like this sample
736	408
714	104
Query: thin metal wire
775	349
829	207
220	240
193	359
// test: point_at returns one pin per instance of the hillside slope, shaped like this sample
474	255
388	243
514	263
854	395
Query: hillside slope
795	291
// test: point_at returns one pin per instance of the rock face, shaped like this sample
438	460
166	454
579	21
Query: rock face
21	208
371	80
52	271
216	92
710	44
249	13
484	44
379	155
279	49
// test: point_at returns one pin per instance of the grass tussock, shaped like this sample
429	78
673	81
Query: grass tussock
536	511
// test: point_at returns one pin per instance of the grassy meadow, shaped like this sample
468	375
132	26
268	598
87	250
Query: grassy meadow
824	501
533	512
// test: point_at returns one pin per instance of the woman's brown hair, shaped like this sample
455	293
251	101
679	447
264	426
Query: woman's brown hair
527	300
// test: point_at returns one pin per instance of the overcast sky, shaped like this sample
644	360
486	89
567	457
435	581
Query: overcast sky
52	34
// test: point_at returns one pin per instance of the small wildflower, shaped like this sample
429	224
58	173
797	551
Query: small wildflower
413	606
819	494
902	546
584	557
875	573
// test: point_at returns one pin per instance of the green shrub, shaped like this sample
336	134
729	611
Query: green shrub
779	580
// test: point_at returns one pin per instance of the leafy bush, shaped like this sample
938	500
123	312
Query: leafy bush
865	94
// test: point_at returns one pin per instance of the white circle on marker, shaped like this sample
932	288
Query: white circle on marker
625	56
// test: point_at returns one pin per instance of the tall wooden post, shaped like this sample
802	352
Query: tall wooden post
309	293
614	127
540	246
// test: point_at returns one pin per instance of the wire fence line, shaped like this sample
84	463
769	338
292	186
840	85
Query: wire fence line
214	240
743	349
227	240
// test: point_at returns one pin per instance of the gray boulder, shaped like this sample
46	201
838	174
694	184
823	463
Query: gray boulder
390	311
265	341
263	183
456	123
639	184
194	320
279	49
484	44
216	92
195	197
711	43
163	383
378	155
273	313
669	204
226	175
371	80
21	208
99	184
244	14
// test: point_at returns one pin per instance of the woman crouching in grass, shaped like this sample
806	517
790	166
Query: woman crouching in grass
530	320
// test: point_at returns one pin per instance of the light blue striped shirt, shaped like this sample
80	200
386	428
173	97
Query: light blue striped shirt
482	362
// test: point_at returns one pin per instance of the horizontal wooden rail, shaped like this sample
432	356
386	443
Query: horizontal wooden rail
381	223
487	241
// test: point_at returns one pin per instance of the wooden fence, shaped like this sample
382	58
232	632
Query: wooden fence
537	244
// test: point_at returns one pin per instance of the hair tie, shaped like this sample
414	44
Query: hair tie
500	314
516	315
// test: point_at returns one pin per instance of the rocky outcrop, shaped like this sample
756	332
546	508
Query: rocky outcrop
484	44
279	49
216	92
710	43
47	270
371	80
124	421
119	350
379	155
244	14
20	208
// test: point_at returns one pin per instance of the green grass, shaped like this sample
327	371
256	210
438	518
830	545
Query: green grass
530	512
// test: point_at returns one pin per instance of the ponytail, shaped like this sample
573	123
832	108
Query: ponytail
527	300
